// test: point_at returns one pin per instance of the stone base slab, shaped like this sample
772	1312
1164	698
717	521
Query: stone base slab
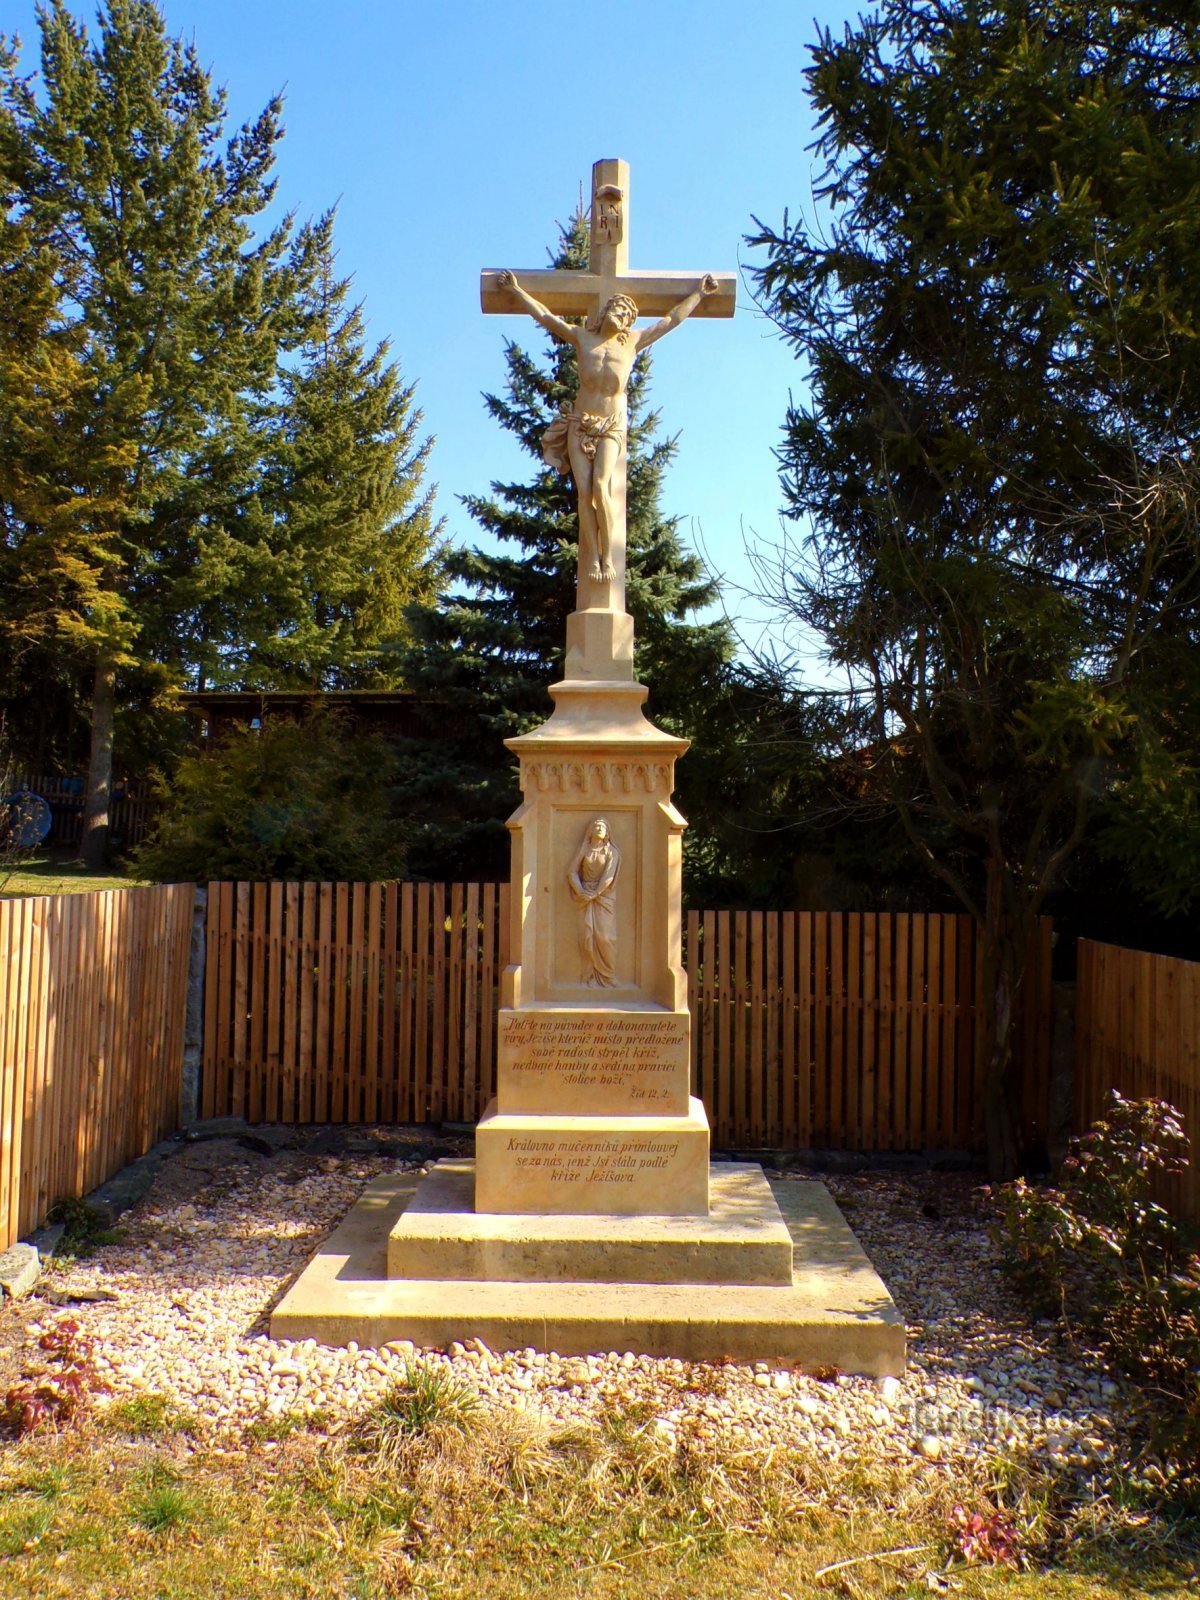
835	1313
743	1240
592	1166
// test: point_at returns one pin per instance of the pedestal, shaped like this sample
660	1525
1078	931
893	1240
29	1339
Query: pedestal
578	1286
591	1219
593	1114
556	1163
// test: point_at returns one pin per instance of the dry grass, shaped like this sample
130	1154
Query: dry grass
499	1505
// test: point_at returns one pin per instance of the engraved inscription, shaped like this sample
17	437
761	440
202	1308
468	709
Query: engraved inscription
607	213
602	1159
607	1050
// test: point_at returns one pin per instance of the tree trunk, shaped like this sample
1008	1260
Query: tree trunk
1001	975
93	843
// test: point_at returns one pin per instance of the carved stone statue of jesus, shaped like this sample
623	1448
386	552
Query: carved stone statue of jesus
589	436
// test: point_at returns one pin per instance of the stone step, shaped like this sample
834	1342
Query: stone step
743	1240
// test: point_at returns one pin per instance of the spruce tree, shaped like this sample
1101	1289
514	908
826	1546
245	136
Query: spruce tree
484	656
210	478
346	538
995	466
179	313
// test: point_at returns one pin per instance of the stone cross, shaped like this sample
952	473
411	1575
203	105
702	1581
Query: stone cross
601	587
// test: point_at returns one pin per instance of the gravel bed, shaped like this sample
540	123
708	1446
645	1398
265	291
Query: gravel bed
224	1229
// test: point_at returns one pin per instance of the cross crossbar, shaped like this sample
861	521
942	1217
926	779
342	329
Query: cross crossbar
578	294
581	294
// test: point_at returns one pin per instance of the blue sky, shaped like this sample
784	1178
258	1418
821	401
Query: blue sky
454	135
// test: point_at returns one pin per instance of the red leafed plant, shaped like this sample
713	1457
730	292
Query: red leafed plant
61	1390
989	1541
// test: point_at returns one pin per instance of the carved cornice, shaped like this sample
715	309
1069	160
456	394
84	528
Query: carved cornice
596	777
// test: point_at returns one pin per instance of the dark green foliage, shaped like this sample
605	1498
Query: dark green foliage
160	1502
766	802
1149	823
85	1228
205	474
1100	1252
425	1399
168	318
998	329
306	801
347	537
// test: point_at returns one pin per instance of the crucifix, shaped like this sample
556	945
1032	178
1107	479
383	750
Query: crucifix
588	438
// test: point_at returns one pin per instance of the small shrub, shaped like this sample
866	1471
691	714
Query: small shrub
26	1531
310	800
1099	1251
147	1415
424	1399
981	1540
58	1393
85	1227
273	1428
49	1483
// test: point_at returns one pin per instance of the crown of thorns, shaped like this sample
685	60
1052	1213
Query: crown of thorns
620	302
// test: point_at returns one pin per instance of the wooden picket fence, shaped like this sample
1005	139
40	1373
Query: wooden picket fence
1137	1030
364	1002
92	995
378	1002
853	1030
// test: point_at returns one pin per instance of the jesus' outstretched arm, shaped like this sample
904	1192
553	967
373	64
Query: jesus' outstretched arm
552	324
707	285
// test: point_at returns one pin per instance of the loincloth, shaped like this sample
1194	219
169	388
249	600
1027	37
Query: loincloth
589	430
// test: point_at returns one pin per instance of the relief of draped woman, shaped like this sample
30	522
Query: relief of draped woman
592	880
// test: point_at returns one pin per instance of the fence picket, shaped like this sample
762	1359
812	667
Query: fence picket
752	1103
691	940
837	1038
11	951
471	970
854	1028
773	1053
1137	1016
454	1007
706	1022
422	1102
92	997
489	977
404	1059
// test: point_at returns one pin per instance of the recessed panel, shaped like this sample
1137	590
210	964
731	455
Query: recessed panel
595	889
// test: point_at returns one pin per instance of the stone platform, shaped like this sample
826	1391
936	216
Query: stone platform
834	1311
742	1239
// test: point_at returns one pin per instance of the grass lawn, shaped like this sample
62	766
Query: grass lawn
57	872
464	1506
